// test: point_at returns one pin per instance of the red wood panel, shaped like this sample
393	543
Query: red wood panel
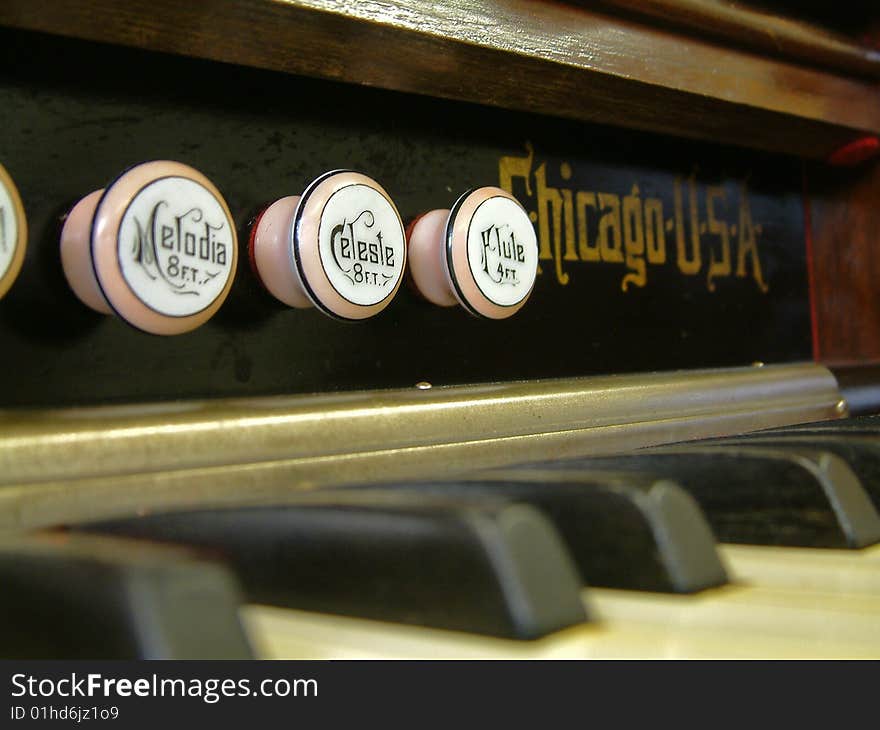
845	226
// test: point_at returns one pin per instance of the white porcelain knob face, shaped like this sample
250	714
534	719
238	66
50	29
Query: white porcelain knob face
162	246
500	256
361	243
174	246
13	232
482	254
340	246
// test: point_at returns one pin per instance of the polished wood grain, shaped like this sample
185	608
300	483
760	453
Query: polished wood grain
763	31
546	57
845	213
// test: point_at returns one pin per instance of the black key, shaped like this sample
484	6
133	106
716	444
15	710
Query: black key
759	496
861	451
865	425
637	533
495	568
77	597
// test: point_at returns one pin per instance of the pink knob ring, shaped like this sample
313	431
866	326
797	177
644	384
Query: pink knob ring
13	232
482	254
339	247
158	247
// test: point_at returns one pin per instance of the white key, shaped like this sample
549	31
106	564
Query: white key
811	618
278	633
836	571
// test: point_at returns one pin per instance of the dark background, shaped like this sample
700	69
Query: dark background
74	114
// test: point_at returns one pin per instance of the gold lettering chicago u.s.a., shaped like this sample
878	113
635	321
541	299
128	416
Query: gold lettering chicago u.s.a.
632	230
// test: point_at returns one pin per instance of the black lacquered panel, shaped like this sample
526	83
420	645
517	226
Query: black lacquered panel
655	253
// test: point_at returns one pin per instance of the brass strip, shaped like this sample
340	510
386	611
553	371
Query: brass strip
79	464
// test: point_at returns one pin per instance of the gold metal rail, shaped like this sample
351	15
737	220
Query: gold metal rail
67	466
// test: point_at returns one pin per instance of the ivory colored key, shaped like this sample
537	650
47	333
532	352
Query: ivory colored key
837	571
157	247
743	610
339	246
277	633
13	232
482	254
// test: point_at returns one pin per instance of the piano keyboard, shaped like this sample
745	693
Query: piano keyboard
656	544
796	599
598	476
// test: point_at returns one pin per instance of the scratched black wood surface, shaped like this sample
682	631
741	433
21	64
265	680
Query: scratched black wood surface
74	114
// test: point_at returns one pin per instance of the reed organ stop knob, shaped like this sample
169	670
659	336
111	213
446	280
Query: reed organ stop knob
13	232
482	254
157	247
340	247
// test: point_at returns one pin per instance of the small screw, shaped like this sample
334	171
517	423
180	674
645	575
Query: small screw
757	364
841	407
424	385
